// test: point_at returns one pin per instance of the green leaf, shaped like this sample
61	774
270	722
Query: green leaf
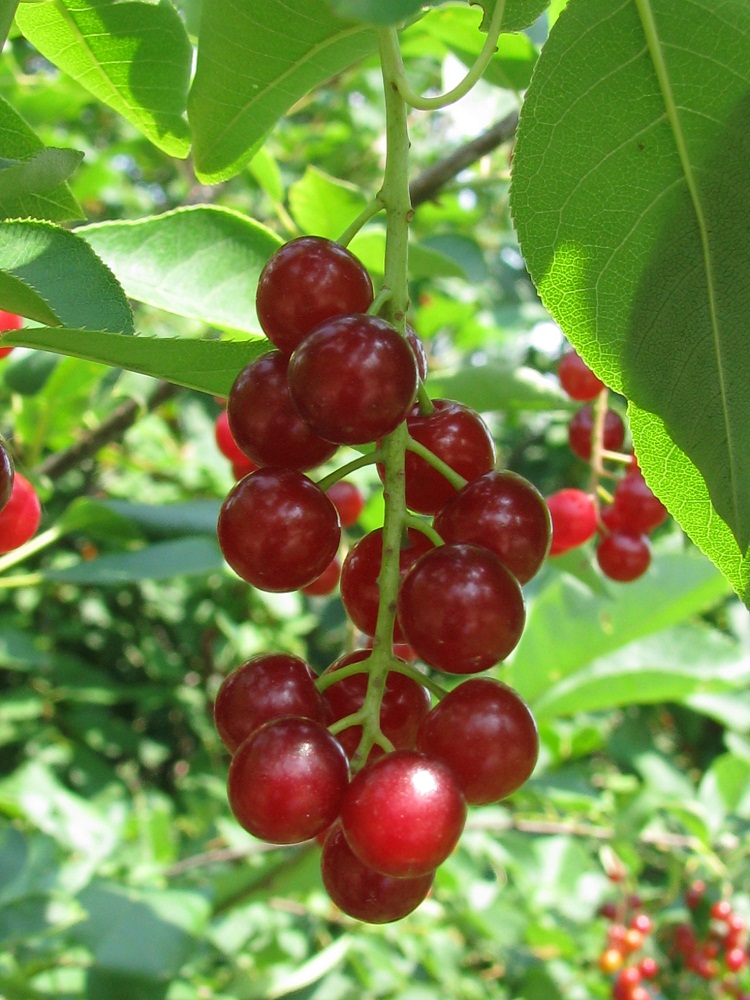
19	142
518	14
54	277
202	262
682	489
194	517
568	627
133	56
323	205
207	365
501	388
369	246
45	170
254	62
183	557
631	200
380	12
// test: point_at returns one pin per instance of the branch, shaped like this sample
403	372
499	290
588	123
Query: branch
115	425
427	185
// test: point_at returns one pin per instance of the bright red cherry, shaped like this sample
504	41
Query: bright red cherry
486	734
327	581
268	686
637	509
287	780
457	435
417	346
9	321
503	512
577	379
461	609
348	501
581	429
264	421
278	530
20	517
229	448
403	814
306	282
623	557
363	893
405	704
573	514
359	576
6	475
353	379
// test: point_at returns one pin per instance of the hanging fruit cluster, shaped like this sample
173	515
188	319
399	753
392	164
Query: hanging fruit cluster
623	523
360	757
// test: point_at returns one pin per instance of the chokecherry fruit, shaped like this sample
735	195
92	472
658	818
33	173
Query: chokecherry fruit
241	464
417	346
623	557
577	379
9	321
503	512
573	514
461	609
458	436
264	421
7	470
403	813
287	780
359	576
306	282
348	501
326	583
637	509
265	687
353	379
581	429
405	704
362	892
20	517
278	530
485	732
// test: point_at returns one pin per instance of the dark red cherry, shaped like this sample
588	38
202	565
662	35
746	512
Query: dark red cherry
577	379
305	283
636	508
623	557
6	475
348	501
581	428
573	514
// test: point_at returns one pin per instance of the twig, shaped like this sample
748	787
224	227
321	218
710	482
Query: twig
427	185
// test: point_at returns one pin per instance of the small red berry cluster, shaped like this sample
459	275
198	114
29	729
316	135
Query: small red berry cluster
359	757
711	946
20	509
597	434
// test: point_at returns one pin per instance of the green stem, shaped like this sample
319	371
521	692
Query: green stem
412	521
472	77
367	213
453	477
36	544
426	406
356	463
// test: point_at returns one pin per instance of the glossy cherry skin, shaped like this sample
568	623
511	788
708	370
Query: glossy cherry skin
485	732
581	428
278	530
20	517
363	893
6	475
457	435
403	814
268	686
573	514
348	501
461	609
417	345
636	508
327	582
353	379
503	512
8	321
359	576
241	464
623	557
306	282
287	780
264	421
577	379
405	704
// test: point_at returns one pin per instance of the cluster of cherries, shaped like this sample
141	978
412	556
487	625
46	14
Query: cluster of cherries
622	527
359	757
20	509
711	946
